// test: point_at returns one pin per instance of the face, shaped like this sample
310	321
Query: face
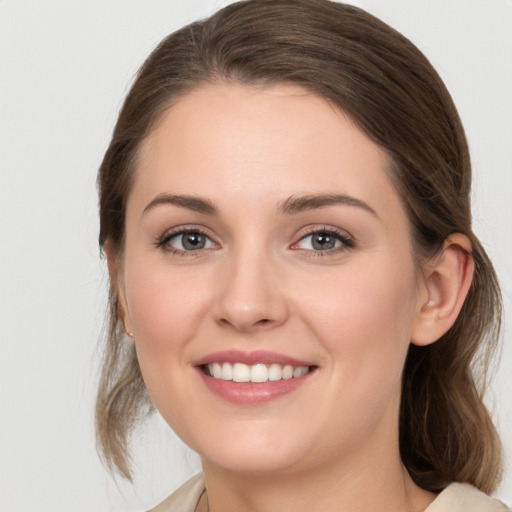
268	280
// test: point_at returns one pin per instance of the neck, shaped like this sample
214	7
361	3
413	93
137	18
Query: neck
361	485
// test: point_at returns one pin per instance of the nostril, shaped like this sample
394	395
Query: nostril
241	325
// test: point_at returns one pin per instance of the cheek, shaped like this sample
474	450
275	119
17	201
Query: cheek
364	318
364	326
164	308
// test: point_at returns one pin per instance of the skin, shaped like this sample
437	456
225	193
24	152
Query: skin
259	284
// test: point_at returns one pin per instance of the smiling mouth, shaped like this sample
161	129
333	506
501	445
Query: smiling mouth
256	373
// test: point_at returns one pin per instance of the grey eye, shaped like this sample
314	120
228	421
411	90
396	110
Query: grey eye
323	241
190	241
320	241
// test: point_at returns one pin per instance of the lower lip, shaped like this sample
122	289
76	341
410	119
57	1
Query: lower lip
249	393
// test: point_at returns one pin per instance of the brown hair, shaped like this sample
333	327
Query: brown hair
386	85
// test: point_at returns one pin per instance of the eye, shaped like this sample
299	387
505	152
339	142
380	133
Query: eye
186	241
324	241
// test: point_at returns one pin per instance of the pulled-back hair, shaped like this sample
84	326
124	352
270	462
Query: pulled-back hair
391	91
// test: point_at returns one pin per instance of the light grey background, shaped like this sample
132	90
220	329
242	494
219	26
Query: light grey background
65	68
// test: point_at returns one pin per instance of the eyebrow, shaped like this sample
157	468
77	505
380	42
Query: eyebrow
193	203
310	202
294	204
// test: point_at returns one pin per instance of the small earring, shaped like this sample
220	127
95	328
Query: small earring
128	333
428	305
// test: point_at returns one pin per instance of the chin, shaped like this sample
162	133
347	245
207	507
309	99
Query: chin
251	462
252	454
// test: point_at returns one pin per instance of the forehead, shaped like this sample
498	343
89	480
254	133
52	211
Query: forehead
255	144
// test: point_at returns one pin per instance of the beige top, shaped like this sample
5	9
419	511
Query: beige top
455	498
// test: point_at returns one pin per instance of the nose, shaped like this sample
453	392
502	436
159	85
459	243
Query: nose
249	294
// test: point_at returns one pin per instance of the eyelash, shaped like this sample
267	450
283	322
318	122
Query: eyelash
346	240
161	242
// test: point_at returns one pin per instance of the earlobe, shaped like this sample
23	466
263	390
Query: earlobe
115	282
447	282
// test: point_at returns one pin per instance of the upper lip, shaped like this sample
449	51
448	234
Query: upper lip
250	358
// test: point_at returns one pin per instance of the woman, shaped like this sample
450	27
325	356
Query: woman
295	285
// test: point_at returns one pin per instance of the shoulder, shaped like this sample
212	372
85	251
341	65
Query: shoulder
465	498
455	498
185	498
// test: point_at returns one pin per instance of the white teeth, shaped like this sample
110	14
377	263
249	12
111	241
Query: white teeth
240	372
287	372
259	373
300	371
217	370
275	372
227	372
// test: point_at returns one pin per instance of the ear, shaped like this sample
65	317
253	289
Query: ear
448	278
115	274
